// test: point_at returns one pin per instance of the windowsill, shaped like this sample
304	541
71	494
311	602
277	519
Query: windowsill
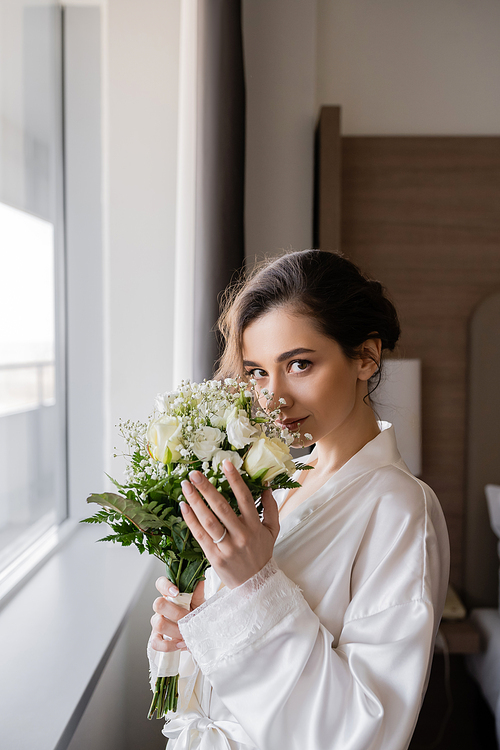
33	550
57	633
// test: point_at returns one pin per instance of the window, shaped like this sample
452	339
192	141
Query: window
32	373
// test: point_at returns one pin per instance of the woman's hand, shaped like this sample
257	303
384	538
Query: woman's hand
164	622
248	542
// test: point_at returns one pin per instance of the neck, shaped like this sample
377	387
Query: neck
334	450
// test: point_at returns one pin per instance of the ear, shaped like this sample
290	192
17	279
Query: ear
370	353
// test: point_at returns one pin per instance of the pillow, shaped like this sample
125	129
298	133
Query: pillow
492	492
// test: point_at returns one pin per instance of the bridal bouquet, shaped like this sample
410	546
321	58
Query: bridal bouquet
197	426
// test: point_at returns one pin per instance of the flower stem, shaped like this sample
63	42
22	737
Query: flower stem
165	697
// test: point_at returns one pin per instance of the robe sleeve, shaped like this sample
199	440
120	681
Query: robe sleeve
289	685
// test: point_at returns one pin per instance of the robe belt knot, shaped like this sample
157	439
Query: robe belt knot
195	732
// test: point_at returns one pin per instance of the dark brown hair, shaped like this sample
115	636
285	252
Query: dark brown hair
341	301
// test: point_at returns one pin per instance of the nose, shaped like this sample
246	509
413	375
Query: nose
281	396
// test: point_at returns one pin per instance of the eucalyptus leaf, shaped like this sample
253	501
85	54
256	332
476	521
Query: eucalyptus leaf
129	508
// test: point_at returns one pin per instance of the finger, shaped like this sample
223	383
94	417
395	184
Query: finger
168	609
246	503
204	539
219	515
271	519
166	587
207	519
158	643
163	626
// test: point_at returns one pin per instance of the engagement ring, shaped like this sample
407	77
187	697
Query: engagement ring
218	541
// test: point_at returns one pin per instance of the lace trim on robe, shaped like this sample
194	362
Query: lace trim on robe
232	620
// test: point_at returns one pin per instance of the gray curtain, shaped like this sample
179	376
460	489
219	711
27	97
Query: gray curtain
219	244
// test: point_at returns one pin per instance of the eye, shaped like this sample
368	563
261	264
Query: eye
257	373
299	365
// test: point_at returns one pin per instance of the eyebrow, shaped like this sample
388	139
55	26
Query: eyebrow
282	357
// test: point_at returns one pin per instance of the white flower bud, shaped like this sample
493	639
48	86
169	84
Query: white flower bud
271	454
164	434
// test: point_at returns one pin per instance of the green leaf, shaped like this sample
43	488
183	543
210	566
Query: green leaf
260	474
110	538
191	555
129	508
193	573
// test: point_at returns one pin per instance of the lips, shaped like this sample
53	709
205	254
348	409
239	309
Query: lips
291	424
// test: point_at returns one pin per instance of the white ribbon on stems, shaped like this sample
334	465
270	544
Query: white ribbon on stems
168	662
196	732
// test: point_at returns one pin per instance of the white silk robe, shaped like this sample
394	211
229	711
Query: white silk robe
329	646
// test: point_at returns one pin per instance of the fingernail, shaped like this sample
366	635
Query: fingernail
173	591
196	477
227	465
181	644
186	487
184	507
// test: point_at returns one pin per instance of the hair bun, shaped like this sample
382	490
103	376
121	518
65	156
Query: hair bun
377	286
344	304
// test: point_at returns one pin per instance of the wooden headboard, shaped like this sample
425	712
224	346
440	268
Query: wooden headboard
422	215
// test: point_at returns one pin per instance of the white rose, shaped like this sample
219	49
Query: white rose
240	431
164	434
271	454
217	414
206	442
232	456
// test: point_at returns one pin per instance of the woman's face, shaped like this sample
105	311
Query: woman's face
323	389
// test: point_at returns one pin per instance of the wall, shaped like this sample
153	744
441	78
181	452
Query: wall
405	68
140	145
411	68
279	49
116	715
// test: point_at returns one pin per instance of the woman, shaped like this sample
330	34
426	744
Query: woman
318	624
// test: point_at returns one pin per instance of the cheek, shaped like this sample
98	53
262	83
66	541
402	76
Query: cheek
336	391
